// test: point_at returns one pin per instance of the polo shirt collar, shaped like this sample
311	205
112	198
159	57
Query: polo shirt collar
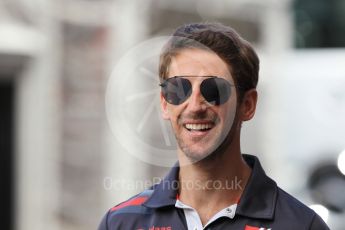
164	193
259	197
257	201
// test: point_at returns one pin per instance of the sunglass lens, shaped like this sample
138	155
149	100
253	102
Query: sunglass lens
176	90
215	90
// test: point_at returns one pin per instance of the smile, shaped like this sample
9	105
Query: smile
198	127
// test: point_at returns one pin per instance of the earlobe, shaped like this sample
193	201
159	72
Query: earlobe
165	112
248	106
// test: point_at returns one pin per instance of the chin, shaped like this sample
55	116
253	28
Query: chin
208	150
195	155
200	150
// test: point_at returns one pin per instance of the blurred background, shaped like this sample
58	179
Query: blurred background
62	166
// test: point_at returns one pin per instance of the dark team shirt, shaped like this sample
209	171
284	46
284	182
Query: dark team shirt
263	205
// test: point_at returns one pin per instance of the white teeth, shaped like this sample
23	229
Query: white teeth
198	126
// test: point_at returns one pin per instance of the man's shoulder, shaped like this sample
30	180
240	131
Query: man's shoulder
289	208
132	207
286	201
133	204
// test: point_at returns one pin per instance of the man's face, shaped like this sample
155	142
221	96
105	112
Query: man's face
199	126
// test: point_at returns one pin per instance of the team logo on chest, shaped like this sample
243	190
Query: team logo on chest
248	227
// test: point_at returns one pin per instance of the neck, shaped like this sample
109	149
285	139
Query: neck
222	177
215	182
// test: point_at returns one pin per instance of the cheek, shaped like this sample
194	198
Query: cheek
173	114
228	115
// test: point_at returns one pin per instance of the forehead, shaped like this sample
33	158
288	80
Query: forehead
197	62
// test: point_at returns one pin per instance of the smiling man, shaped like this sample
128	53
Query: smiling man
208	76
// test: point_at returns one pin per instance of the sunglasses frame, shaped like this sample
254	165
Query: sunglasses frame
163	84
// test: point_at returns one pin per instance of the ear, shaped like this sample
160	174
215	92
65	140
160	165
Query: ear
164	105
248	105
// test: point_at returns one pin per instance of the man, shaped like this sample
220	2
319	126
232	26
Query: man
208	76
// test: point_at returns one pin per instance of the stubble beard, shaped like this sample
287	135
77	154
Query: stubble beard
197	153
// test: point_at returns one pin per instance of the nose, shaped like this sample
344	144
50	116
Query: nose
196	101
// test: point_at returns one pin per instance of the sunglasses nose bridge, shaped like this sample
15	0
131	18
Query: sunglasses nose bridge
196	101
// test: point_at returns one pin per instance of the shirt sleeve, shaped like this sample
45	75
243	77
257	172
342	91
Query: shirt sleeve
104	222
318	224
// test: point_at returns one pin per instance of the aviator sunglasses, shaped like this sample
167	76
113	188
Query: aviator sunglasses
178	89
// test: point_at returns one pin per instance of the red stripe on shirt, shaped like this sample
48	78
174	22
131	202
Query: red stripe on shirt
134	202
251	228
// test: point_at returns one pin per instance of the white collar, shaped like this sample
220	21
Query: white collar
193	218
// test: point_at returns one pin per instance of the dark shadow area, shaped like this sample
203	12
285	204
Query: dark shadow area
7	153
319	23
